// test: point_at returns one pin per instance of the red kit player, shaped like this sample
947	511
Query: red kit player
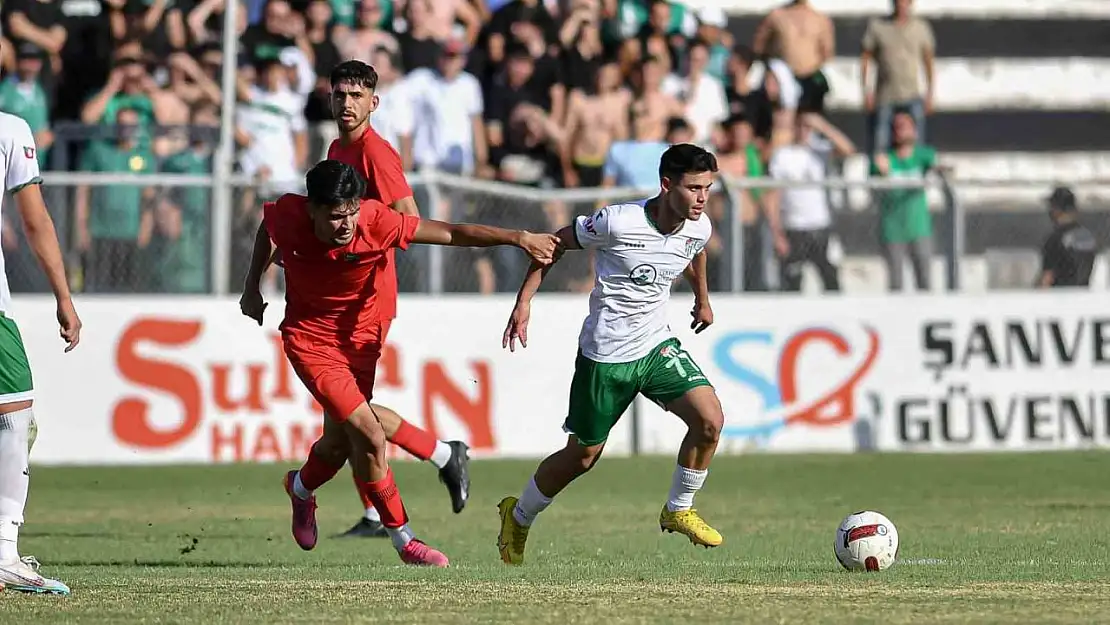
335	246
353	100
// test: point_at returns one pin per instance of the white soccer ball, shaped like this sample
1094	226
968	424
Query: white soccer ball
866	541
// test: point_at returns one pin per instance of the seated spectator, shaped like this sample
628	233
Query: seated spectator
447	105
114	223
800	218
804	39
905	224
22	95
596	118
703	96
359	42
182	229
900	45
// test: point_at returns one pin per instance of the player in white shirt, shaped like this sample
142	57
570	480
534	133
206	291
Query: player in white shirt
17	421
626	346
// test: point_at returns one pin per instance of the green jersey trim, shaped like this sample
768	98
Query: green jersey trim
18	188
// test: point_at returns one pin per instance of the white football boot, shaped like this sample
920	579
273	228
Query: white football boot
23	576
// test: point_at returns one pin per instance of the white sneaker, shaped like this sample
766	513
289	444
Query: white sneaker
22	576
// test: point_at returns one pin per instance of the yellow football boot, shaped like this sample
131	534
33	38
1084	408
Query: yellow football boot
510	542
691	525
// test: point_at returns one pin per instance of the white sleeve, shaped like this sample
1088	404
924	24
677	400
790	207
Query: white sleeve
403	118
775	165
592	231
306	74
475	106
23	159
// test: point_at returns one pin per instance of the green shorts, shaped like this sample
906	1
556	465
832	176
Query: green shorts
15	370
600	392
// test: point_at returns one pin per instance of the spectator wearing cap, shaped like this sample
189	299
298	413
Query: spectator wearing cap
1068	256
905	226
900	46
22	95
447	106
712	29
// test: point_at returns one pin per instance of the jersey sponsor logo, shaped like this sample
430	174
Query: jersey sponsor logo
643	274
809	379
29	152
350	257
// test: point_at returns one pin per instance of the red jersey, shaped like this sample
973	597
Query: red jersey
334	295
380	164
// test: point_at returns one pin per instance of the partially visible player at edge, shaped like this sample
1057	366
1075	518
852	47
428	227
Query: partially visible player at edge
360	146
334	245
626	346
17	419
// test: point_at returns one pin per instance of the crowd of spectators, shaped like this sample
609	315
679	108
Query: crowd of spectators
544	93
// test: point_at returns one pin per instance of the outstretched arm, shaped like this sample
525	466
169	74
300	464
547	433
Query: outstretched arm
540	247
695	275
517	328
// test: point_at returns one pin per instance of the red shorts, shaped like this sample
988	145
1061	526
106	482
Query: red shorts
339	378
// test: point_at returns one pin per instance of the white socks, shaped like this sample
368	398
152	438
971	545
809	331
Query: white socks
684	484
14	432
442	455
400	536
532	502
371	514
299	489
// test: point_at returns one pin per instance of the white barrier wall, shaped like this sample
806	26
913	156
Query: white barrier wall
160	380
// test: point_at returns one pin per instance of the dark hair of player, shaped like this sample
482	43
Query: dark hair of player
333	183
685	158
355	73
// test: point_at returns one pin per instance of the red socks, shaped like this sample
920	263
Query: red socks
384	496
414	440
316	472
366	503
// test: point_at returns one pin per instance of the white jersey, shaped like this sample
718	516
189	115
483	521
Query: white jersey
272	119
636	266
21	168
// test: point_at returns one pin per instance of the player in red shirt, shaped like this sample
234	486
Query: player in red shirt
353	100
334	247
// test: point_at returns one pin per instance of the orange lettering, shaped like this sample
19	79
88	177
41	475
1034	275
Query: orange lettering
299	441
130	416
389	367
221	440
475	414
221	375
282	388
266	445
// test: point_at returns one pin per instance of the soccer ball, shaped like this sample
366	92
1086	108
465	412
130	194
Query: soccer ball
866	541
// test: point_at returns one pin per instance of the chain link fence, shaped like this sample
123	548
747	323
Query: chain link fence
139	233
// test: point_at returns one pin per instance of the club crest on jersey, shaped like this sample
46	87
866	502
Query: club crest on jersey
693	246
643	275
350	257
29	153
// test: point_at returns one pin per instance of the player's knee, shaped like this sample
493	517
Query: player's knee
585	457
710	422
331	450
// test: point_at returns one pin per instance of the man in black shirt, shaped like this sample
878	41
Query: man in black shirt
1069	252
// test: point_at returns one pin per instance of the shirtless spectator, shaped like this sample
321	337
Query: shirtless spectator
595	119
445	14
651	107
361	41
703	95
190	82
901	46
804	38
420	46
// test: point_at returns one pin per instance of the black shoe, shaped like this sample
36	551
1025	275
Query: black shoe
365	528
456	475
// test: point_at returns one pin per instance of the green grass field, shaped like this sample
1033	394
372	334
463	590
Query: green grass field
999	538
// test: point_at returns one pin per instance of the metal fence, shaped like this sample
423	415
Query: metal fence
159	233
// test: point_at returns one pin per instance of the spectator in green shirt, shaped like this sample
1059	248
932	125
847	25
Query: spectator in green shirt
180	247
904	221
114	223
22	95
